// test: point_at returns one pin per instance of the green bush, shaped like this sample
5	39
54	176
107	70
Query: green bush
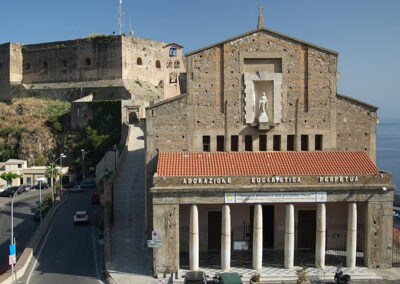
6	131
55	124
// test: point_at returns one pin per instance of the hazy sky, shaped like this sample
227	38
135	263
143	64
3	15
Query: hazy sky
366	33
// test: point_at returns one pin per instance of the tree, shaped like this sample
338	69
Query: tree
8	177
52	172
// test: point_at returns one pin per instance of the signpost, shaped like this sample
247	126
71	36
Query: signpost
12	258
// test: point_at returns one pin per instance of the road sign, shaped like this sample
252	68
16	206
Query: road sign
12	249
12	259
154	243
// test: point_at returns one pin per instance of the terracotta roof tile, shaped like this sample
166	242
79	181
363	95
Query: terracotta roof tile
264	163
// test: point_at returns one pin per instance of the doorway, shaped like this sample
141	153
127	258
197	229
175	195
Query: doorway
214	230
306	229
268	226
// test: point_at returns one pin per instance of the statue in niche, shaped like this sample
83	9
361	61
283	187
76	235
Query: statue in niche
263	104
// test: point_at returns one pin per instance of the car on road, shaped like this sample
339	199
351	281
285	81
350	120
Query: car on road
81	217
195	277
76	188
88	184
26	187
7	193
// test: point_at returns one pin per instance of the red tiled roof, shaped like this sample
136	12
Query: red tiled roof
264	163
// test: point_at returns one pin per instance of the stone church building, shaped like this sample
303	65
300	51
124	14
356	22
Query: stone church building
262	163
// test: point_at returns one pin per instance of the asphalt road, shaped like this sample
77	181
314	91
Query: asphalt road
68	253
24	226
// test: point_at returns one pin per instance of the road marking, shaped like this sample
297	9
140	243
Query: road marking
95	256
38	256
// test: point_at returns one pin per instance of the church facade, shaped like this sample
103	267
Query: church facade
262	162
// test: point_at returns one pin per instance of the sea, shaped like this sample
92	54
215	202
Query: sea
388	149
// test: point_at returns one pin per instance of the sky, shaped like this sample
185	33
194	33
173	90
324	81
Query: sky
366	33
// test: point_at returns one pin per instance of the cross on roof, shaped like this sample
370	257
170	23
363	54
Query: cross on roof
260	18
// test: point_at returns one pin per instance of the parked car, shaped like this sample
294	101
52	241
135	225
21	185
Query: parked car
228	278
195	277
95	199
26	187
88	184
44	186
7	193
81	217
76	188
70	184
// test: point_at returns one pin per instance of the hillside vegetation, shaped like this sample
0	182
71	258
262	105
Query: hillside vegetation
38	130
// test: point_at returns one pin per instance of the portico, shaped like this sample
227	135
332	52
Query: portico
246	221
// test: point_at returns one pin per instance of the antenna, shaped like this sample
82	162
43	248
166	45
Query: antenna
120	16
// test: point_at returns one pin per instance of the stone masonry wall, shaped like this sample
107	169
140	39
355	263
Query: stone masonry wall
149	52
97	58
4	71
309	83
356	127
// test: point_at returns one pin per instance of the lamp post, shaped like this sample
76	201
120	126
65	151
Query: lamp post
12	223
61	172
52	176
115	158
83	164
40	180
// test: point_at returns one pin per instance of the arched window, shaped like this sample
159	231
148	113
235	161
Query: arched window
27	66
64	63
88	61
177	64
158	64
169	64
139	61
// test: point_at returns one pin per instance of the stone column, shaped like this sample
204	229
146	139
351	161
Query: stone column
289	236
257	237
194	238
320	238
226	238
351	235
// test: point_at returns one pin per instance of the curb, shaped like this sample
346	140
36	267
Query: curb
28	253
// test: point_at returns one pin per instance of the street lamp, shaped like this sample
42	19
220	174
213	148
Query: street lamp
40	180
115	158
52	176
12	223
83	164
61	157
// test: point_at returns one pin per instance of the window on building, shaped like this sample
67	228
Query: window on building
318	142
172	51
28	180
139	61
169	64
64	63
88	61
277	143
19	166
234	143
290	143
172	77
158	64
27	66
248	143
220	143
262	143
304	142
206	143
177	64
44	65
